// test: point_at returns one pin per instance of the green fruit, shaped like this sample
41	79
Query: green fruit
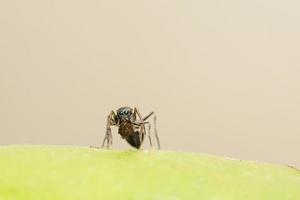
73	173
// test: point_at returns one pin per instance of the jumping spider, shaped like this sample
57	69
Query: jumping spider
131	127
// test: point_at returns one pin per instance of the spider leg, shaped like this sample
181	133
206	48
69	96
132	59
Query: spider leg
149	133
108	136
155	132
155	129
149	115
143	129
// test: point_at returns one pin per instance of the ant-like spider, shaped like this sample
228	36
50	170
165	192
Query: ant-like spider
129	127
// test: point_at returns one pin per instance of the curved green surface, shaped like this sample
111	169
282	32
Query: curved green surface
73	173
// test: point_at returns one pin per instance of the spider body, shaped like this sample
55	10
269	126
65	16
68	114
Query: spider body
127	132
131	127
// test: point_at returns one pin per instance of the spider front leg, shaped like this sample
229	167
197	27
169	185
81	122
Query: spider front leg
143	129
155	132
108	136
149	127
149	133
155	129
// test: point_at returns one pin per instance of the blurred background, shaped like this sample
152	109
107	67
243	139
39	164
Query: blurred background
222	76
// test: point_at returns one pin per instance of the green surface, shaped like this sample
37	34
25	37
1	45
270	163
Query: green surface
71	173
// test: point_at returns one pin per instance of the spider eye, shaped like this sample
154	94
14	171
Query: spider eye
126	112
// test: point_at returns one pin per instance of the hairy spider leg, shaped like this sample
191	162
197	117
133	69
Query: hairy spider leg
149	126
143	129
149	133
149	115
155	132
108	136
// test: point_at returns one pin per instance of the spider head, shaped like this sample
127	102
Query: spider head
124	113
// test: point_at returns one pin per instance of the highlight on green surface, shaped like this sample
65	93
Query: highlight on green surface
30	172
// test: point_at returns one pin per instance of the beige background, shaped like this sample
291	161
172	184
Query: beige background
223	76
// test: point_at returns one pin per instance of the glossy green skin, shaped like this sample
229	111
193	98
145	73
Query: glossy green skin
73	173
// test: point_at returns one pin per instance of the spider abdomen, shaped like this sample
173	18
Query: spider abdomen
125	129
133	137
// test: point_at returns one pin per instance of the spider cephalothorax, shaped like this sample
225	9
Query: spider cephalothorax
124	113
131	127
